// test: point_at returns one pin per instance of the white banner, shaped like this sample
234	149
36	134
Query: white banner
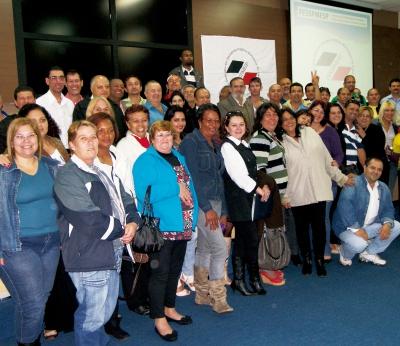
226	57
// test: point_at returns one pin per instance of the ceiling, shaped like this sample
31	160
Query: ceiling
387	5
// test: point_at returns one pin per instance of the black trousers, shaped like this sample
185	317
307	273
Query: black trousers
310	215
165	269
246	241
135	271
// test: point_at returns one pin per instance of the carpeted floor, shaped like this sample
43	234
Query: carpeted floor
358	305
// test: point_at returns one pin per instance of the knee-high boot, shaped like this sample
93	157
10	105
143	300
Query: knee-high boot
238	282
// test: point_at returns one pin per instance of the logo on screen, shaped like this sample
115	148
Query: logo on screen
241	63
333	61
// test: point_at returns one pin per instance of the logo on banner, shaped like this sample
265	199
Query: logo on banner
241	63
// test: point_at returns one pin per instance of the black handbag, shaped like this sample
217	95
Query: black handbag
148	237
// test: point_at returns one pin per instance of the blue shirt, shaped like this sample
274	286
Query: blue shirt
36	204
154	112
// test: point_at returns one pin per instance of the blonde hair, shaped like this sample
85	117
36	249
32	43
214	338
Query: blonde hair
160	125
93	103
12	130
367	108
76	125
385	105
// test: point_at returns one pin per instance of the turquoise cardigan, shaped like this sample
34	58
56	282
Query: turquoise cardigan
152	169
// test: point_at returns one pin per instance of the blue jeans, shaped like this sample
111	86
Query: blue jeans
97	294
328	221
29	276
188	263
353	244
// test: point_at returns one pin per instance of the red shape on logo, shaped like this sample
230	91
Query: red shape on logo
248	76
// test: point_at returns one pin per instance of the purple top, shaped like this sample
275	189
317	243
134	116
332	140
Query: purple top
331	139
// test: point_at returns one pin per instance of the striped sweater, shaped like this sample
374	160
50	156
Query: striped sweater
270	153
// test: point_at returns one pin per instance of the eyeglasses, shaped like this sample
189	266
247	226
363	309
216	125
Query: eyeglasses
163	135
54	78
21	138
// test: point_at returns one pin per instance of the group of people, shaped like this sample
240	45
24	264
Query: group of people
77	172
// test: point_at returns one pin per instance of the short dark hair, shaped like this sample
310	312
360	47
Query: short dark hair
233	79
256	80
53	129
394	80
350	102
260	113
325	89
97	117
369	159
73	71
132	76
21	88
207	107
308	85
198	89
136	109
294	85
54	68
170	113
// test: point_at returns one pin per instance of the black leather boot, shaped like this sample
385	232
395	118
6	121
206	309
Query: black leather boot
255	281
238	282
321	271
307	265
112	327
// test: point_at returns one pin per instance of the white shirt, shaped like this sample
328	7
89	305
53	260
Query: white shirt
235	165
60	112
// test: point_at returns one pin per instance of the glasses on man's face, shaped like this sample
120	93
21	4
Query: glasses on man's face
55	78
163	135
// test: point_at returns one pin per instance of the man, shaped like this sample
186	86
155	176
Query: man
343	96
188	93
254	100
354	153
117	90
275	95
59	107
74	86
22	96
310	92
394	96
236	102
364	217
295	102
153	93
100	86
187	72
285	84
349	83
373	98
173	84
133	87
201	97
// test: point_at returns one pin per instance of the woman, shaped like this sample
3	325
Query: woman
177	99
241	183
96	218
49	131
386	115
269	154
135	142
174	202
29	241
99	104
176	115
303	118
203	154
310	171
325	95
331	139
373	139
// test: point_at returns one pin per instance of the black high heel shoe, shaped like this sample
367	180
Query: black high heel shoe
238	282
321	271
307	266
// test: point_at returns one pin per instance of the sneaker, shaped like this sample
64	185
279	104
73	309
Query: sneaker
375	259
344	261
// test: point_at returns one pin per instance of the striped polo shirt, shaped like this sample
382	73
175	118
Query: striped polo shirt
270	156
353	143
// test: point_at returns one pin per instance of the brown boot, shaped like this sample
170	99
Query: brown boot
201	285
218	296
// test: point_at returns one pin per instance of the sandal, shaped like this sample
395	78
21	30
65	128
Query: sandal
50	334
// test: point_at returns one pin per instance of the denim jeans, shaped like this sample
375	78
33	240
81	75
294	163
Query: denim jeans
353	244
328	222
29	276
211	247
188	263
97	294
